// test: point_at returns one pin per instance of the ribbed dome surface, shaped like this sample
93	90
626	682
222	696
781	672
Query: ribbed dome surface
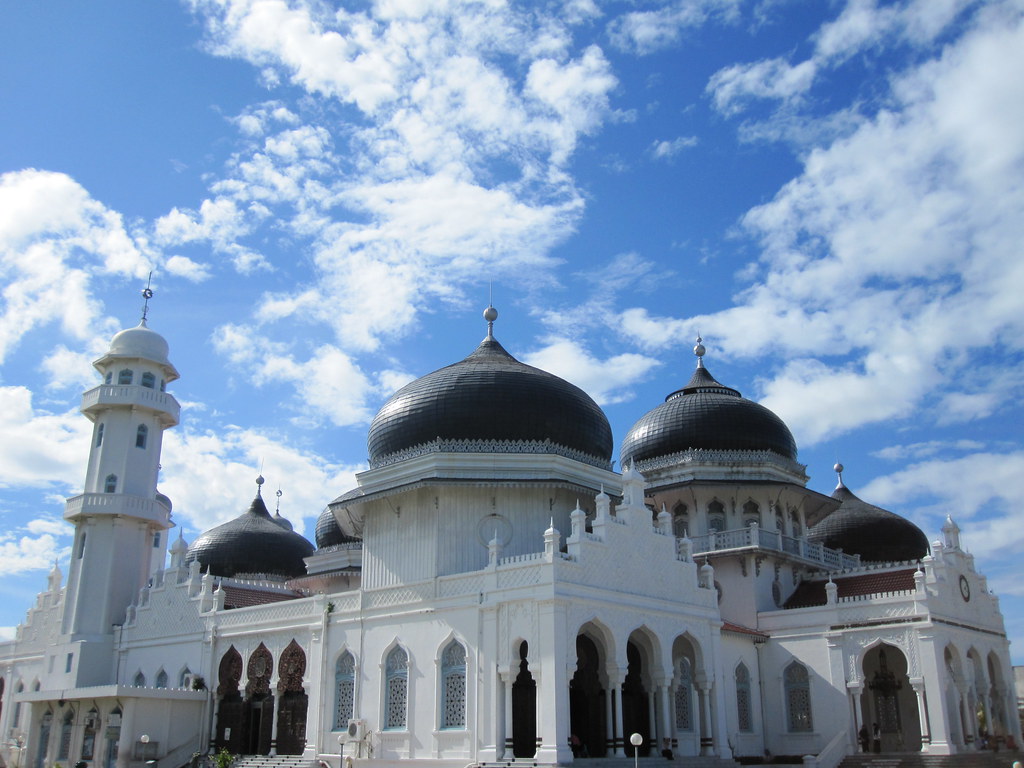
490	396
140	342
877	535
252	543
328	532
706	415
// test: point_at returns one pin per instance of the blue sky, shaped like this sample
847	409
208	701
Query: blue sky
829	191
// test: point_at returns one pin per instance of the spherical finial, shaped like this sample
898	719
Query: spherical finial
259	484
699	349
490	314
838	468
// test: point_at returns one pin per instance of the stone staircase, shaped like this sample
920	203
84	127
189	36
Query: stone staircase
987	759
623	762
266	761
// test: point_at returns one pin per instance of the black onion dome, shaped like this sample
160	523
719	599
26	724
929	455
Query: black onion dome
490	396
328	532
252	543
877	535
710	416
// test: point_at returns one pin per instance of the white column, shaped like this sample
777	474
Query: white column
620	738
127	740
707	740
922	713
666	722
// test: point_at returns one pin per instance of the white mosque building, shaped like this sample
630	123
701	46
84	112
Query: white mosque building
491	590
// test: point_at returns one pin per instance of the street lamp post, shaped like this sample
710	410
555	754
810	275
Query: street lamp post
636	740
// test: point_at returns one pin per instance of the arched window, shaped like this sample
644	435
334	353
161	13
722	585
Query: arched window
161	679
344	690
716	516
751	514
64	746
684	695
16	718
99	434
92	718
140	436
110	484
148	380
81	545
743	710
396	677
163	385
794	521
453	685
125	376
680	521
780	522
798	698
140	680
109	377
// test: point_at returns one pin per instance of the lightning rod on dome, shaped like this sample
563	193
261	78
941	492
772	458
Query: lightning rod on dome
147	294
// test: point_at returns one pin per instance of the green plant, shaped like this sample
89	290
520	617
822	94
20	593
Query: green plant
198	683
223	759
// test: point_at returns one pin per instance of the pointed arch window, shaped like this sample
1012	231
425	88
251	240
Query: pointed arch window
453	683
751	514
794	521
109	377
89	734
81	545
344	690
64	746
99	434
396	677
141	435
716	516
161	679
16	718
743	707
140	680
684	695
680	521
125	376
148	380
110	484
798	698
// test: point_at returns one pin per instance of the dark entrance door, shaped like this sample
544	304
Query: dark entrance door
260	726
291	723
524	709
635	714
587	702
231	725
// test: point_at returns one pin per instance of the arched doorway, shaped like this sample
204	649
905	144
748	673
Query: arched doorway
890	701
291	711
686	715
524	708
635	702
587	701
230	734
259	701
44	738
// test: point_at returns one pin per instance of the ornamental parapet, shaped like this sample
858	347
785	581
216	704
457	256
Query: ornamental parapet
758	537
703	456
490	446
112	504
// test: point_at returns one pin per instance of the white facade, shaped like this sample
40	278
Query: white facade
501	603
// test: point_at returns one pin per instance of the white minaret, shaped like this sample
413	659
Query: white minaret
120	520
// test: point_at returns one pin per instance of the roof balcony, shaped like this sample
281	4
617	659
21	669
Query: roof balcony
116	504
757	538
107	395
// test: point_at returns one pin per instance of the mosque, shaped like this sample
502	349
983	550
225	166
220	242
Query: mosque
492	590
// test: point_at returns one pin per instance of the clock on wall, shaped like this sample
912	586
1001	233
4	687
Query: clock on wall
965	588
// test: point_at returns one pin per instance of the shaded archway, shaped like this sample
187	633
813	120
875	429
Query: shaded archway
524	708
230	716
686	711
291	710
890	701
44	738
588	700
259	709
636	703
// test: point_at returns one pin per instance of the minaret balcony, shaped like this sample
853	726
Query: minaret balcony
116	504
757	538
112	395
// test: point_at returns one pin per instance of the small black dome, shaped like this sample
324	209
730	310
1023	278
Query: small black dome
328	532
877	535
252	543
490	396
710	416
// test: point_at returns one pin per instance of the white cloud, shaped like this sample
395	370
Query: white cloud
645	32
925	449
40	449
733	86
669	148
607	381
25	553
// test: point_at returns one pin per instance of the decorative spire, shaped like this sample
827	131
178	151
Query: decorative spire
277	509
839	471
259	485
699	351
490	315
147	294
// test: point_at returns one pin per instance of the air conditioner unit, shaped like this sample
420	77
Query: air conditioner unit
113	721
90	721
356	730
186	681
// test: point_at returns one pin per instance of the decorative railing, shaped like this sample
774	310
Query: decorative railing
440	445
755	536
131	394
115	503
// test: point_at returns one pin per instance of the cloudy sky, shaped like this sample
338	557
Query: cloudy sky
830	192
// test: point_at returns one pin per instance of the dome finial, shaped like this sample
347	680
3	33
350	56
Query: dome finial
699	351
490	315
147	294
839	471
279	494
259	484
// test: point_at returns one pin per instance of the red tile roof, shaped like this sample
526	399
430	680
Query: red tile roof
728	626
242	597
811	593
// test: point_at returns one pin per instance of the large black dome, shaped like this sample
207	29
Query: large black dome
877	535
490	396
328	532
710	416
252	543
